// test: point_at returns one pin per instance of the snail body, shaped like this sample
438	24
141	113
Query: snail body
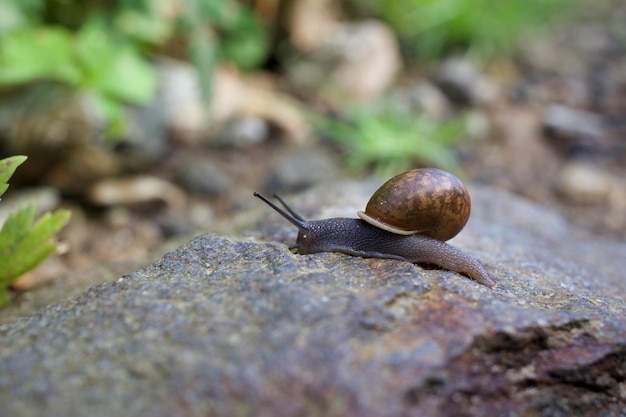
382	232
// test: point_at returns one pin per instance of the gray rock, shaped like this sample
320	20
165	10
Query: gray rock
201	175
578	122
145	140
232	326
463	83
298	167
241	131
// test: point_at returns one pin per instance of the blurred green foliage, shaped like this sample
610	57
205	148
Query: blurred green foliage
23	242
392	139
7	169
103	48
432	28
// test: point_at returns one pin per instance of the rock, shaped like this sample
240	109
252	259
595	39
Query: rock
299	167
430	99
464	84
67	137
234	95
584	184
241	132
572	129
228	326
48	118
202	176
517	158
311	22
145	141
369	59
139	189
354	62
180	100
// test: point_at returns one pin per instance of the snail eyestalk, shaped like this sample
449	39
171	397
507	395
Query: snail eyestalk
292	216
289	209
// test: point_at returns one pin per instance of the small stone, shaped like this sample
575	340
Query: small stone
584	184
565	120
298	167
433	102
145	139
310	23
464	84
355	62
180	99
368	58
241	132
201	176
135	190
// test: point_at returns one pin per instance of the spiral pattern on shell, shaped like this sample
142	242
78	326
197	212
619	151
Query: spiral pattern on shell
426	201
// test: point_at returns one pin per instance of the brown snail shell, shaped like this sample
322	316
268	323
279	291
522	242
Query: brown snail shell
426	201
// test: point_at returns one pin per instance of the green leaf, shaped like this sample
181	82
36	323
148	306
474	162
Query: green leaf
33	54
129	77
145	25
246	43
15	228
202	44
23	246
203	54
111	66
7	168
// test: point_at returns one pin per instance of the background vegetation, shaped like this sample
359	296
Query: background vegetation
484	28
104	49
23	242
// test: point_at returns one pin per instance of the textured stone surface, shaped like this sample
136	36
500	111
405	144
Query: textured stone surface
234	326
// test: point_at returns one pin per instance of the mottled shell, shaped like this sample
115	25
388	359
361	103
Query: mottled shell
427	201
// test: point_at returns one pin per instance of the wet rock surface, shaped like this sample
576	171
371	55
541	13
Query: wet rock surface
237	326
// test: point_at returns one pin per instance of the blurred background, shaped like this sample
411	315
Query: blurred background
154	120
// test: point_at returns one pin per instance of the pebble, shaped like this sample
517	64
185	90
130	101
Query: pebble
355	62
585	184
298	167
560	119
241	131
201	176
135	190
464	84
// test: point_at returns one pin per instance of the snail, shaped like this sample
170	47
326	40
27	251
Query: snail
408	218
